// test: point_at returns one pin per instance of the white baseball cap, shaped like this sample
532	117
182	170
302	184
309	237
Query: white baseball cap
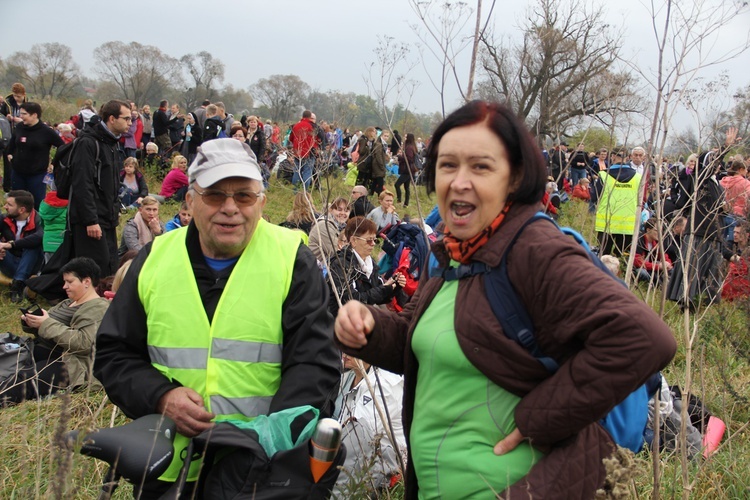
220	159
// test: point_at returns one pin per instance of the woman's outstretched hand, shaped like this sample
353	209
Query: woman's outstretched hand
509	443
353	323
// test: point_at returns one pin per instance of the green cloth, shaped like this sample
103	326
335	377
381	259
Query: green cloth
459	415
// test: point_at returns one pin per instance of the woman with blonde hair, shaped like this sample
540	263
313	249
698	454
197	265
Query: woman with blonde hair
176	182
303	213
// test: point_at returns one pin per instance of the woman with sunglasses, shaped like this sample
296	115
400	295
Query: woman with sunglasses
356	274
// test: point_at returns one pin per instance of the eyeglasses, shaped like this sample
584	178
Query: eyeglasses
216	198
369	241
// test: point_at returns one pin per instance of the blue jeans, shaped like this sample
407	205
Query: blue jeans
303	170
576	174
20	268
33	183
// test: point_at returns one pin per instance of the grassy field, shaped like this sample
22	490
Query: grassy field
33	465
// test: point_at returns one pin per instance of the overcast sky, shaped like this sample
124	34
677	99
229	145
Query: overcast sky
328	43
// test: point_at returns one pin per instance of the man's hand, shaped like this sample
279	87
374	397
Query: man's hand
509	443
154	225
353	323
5	245
94	231
185	407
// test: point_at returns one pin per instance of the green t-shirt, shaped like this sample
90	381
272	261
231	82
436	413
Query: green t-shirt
459	415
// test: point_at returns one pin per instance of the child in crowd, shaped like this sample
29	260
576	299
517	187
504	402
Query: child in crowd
648	262
182	219
54	212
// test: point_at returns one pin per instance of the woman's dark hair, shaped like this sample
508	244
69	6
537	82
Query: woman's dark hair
33	108
81	268
410	140
528	172
235	128
357	226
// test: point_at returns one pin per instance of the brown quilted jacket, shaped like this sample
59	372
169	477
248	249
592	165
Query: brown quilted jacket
607	341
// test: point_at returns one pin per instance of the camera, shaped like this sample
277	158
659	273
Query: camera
36	311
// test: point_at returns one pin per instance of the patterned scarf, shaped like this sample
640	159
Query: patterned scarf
462	251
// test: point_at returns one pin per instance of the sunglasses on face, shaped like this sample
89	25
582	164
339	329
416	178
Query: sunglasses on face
216	197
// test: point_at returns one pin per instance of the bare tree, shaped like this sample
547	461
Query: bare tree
48	69
142	72
204	74
283	94
563	68
443	37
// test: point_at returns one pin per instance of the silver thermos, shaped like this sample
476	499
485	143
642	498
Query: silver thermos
324	446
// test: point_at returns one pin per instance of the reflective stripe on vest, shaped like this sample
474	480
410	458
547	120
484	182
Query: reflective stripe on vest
618	204
234	362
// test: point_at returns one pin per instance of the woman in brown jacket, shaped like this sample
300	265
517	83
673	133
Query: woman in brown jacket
480	413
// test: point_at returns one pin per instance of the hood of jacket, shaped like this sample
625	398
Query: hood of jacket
52	200
98	133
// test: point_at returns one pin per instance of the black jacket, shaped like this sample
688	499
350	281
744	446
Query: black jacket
30	148
176	126
161	123
353	284
310	364
583	158
10	106
361	207
95	188
212	127
196	137
257	143
557	160
709	203
31	234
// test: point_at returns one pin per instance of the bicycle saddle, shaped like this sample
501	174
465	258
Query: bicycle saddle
141	449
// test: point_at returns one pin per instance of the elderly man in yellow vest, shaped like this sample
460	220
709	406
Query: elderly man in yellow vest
223	319
616	195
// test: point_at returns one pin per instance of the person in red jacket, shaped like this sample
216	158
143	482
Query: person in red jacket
304	143
737	283
648	260
581	191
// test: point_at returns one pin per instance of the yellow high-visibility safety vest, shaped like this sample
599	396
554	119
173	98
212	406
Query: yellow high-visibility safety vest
618	204
234	361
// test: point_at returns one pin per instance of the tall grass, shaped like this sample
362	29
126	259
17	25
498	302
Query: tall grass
32	465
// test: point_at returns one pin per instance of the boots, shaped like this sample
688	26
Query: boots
16	291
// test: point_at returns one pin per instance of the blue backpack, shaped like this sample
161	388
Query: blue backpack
627	421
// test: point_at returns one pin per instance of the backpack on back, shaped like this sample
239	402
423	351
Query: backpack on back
5	132
627	421
62	164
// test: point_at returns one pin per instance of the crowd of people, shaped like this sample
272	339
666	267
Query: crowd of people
276	311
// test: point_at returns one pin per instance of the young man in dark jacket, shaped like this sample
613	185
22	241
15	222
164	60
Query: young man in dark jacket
213	124
21	234
94	206
161	127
